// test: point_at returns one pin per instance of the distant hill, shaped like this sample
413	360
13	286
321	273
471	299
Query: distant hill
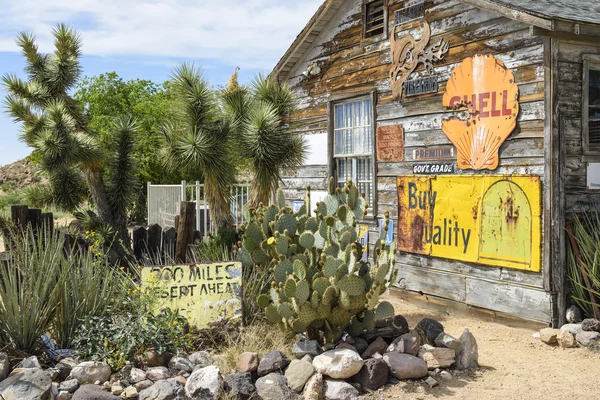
17	175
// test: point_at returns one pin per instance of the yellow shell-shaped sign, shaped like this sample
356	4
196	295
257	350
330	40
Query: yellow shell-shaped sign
486	98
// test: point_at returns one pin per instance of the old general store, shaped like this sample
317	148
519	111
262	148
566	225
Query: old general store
474	123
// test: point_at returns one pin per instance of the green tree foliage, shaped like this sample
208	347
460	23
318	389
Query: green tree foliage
197	140
259	114
107	98
67	149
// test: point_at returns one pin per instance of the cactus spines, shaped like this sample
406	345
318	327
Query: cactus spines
318	281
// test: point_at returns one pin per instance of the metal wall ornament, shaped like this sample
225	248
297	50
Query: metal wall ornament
408	53
485	94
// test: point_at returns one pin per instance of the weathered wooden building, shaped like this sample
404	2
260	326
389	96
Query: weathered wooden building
474	123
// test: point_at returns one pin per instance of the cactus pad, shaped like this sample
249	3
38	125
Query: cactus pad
280	199
286	222
272	314
352	285
302	292
384	310
307	240
289	287
263	301
320	285
285	310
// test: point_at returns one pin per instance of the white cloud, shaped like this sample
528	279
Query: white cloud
250	33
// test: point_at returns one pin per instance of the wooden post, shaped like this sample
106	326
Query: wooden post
34	218
140	241
154	240
47	222
169	240
185	230
19	216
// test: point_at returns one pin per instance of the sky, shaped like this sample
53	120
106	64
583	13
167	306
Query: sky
146	38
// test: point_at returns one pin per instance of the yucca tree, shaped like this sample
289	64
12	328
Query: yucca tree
66	150
197	140
259	114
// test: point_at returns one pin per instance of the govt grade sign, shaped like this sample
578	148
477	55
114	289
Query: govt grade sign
486	219
201	292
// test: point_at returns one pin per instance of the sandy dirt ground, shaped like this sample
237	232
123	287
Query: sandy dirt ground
514	365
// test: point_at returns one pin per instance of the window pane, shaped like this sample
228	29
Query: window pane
339	116
339	142
594	107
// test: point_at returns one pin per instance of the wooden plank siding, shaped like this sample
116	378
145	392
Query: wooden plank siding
351	66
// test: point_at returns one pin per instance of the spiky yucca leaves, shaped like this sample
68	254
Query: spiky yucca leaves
198	144
259	115
319	282
66	150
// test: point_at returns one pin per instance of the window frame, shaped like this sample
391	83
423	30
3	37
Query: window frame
384	34
590	61
372	211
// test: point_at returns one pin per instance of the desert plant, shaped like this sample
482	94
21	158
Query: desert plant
584	261
319	282
197	141
66	150
259	114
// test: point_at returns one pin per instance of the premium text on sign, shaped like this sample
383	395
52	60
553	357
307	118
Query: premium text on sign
201	292
485	219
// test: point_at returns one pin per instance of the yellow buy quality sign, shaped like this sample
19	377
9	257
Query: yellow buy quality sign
203	293
492	220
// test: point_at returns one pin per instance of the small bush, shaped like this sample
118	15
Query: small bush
120	338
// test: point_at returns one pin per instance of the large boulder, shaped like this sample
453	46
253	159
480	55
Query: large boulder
181	364
428	330
405	366
469	355
374	374
590	325
585	338
378	346
4	366
93	392
31	362
298	373
273	361
313	390
339	390
407	343
247	362
163	390
204	384
200	358
157	373
305	347
90	372
240	385
274	387
437	357
338	363
136	375
29	384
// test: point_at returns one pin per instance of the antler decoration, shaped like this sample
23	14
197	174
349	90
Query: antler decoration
408	53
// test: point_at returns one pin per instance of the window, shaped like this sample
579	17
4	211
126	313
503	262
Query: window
353	145
591	102
375	18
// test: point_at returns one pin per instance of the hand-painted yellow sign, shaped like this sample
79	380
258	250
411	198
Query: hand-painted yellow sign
485	219
485	92
201	292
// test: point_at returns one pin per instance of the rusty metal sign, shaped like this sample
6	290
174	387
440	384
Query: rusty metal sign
485	98
390	143
434	153
409	51
485	219
406	14
419	86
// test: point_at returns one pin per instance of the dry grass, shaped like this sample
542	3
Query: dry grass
260	338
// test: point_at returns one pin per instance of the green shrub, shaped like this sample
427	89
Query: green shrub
120	338
318	281
45	289
586	235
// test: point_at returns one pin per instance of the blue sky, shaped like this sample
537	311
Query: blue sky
146	38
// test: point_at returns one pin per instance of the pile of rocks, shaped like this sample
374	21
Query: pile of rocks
346	370
585	333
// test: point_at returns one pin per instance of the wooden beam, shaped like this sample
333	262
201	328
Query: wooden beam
562	35
185	230
517	15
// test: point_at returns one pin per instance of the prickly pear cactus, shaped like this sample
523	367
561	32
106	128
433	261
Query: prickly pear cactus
319	282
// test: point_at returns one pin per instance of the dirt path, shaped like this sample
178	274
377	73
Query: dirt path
513	365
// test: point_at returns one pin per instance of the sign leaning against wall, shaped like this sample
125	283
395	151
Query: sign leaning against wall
492	220
202	293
